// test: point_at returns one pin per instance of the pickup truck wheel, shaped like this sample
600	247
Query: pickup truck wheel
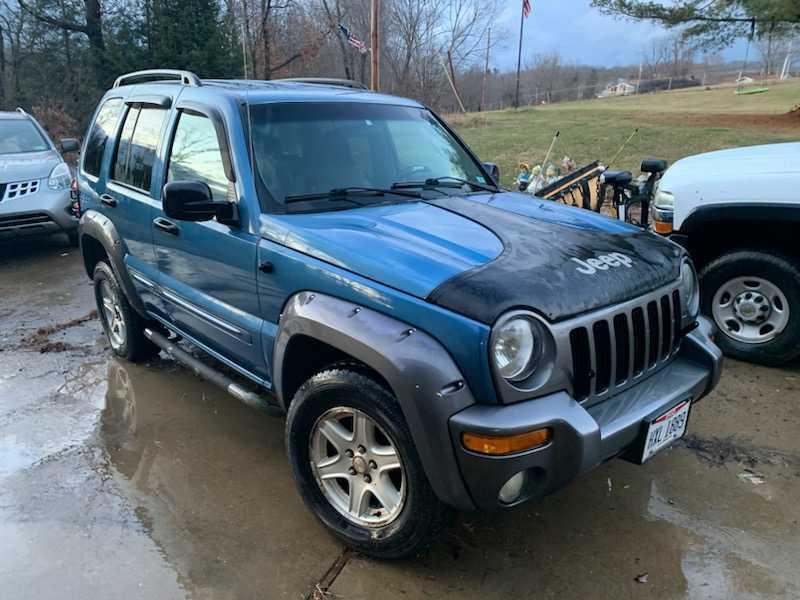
754	299
357	468
123	325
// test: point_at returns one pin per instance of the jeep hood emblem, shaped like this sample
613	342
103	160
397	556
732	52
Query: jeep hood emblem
603	262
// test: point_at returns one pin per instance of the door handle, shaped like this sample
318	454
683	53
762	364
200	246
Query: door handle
108	200
166	226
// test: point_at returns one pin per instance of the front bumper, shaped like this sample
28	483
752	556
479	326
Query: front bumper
44	212
582	437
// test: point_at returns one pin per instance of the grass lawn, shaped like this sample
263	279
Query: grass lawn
671	125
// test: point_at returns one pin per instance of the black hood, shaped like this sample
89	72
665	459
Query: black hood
558	261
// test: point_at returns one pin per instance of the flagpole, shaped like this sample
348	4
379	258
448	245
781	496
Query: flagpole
519	53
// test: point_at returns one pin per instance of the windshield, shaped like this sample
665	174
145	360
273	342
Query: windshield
17	135
312	148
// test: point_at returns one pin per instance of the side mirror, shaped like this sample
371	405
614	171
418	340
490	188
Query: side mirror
494	171
192	201
70	145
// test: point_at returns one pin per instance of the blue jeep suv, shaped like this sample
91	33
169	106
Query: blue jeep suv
435	341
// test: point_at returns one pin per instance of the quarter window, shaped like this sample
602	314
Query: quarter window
138	143
196	155
102	129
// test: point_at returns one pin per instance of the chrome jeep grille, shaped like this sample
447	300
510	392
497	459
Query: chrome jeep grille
17	189
620	348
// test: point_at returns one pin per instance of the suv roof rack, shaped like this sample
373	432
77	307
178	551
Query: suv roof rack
349	83
185	77
21	110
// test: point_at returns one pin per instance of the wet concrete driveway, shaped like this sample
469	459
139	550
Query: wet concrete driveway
125	481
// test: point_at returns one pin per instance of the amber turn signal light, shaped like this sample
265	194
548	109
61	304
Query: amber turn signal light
662	227
497	445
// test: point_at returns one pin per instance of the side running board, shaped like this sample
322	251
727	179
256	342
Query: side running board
216	377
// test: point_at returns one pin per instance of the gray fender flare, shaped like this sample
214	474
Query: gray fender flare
100	228
424	378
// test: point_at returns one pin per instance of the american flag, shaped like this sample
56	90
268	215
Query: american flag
352	39
526	8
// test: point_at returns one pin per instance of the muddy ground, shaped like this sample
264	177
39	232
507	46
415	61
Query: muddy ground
124	481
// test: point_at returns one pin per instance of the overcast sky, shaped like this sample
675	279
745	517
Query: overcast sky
580	33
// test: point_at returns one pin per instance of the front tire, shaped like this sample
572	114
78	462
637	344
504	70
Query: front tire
356	466
123	326
754	299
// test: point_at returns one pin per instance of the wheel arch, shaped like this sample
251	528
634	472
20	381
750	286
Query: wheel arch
99	240
711	231
418	371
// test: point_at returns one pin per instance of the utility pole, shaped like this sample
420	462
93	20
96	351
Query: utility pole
486	69
376	48
519	55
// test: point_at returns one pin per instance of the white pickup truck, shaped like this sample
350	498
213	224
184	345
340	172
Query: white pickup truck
738	213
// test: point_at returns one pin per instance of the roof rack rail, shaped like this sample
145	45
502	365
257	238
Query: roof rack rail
185	77
349	83
21	110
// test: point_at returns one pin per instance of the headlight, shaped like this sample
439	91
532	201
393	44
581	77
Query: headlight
516	347
690	291
664	200
60	177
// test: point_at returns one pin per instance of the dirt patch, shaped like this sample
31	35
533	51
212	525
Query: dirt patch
468	121
718	451
41	336
790	120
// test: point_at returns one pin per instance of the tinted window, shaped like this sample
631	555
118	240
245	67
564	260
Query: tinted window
20	135
196	156
303	148
103	128
136	152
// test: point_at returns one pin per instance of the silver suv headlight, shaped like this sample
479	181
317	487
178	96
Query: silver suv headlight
690	291
60	177
516	346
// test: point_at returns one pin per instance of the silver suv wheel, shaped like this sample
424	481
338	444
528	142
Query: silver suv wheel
357	467
112	314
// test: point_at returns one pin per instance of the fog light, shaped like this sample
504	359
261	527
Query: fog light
499	445
512	490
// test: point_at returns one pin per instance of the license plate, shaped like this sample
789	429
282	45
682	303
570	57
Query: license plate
666	429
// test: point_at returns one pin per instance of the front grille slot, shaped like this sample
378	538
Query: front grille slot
652	333
666	327
613	351
639	349
24	220
622	343
582	361
602	352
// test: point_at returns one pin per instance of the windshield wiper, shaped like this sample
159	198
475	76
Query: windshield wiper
349	194
446	181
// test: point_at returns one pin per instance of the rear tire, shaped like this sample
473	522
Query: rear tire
754	299
403	526
124	327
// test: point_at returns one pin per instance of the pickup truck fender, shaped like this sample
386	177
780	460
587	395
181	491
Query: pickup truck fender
421	374
100	228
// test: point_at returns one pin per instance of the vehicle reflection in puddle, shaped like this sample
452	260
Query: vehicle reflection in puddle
211	483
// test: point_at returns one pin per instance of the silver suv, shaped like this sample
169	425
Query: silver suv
34	180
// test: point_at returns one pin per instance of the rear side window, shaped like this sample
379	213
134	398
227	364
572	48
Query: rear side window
138	143
196	155
102	129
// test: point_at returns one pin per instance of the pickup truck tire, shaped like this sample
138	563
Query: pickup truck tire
754	299
349	407
123	326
